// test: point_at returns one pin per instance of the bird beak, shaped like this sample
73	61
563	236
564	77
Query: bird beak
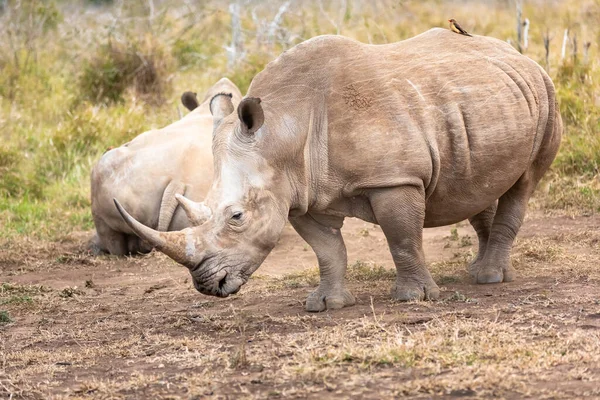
449	20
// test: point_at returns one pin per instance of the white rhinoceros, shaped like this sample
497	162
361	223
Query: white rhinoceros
425	132
149	171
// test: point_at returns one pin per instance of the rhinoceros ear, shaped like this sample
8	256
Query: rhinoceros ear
251	115
220	106
189	100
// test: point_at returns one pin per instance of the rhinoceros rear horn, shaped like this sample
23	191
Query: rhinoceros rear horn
172	244
197	213
221	105
251	115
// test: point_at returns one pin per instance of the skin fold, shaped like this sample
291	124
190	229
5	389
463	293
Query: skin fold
420	133
148	172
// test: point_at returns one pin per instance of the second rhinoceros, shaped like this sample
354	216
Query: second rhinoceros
148	172
425	132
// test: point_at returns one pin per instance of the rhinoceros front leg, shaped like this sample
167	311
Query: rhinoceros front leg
327	243
400	212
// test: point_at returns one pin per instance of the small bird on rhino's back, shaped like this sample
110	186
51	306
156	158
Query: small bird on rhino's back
455	27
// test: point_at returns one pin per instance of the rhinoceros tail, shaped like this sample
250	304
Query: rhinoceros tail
168	204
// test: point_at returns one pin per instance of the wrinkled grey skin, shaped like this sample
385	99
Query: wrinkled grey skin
148	172
421	133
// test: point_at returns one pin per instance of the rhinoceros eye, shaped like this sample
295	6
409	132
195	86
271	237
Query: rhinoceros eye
237	216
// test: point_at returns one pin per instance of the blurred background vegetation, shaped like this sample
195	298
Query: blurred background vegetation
79	76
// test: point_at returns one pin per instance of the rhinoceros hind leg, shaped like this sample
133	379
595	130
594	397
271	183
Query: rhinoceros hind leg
328	244
94	246
135	245
495	266
400	212
482	223
113	242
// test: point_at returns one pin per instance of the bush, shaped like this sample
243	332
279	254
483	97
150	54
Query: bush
580	149
194	52
24	26
5	317
10	178
75	139
141	65
247	69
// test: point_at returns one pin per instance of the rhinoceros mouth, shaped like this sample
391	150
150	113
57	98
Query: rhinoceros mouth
226	284
229	284
223	281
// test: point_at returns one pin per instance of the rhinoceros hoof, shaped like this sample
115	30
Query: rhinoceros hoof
321	300
490	273
415	290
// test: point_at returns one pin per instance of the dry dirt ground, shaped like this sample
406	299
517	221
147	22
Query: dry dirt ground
75	326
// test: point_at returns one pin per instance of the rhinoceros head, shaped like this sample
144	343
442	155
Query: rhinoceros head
243	215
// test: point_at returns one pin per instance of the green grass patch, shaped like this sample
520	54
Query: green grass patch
17	300
362	271
306	278
450	271
21	295
4	317
11	289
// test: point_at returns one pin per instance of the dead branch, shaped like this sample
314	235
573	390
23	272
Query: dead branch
586	52
525	34
563	51
547	39
331	21
519	26
274	25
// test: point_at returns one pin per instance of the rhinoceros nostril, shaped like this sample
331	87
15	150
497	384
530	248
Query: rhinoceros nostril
222	281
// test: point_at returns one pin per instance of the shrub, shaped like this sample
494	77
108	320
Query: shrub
10	179
24	25
141	65
247	69
580	149
195	52
74	139
5	317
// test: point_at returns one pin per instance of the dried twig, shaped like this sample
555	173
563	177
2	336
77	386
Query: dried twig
332	22
547	39
235	49
525	34
519	26
375	318
277	20
574	48
586	52
564	44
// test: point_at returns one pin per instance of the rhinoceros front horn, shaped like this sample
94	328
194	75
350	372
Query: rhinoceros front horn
172	244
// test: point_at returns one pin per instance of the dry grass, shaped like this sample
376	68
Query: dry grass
360	271
539	337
